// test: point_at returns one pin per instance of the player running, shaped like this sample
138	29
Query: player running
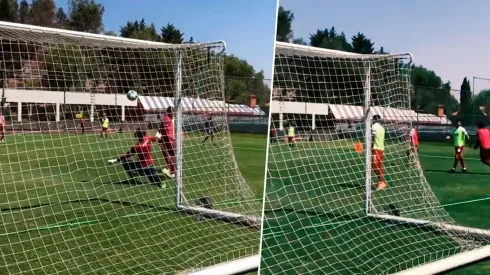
378	147
483	141
167	142
2	128
144	165
209	128
105	127
459	136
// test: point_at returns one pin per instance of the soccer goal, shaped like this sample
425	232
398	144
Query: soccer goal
68	109
323	213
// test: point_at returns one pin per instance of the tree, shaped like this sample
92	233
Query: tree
242	81
465	96
299	41
86	16
170	34
284	25
42	13
361	44
8	10
61	19
140	30
430	92
23	11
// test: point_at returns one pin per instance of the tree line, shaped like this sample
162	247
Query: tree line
241	79
429	91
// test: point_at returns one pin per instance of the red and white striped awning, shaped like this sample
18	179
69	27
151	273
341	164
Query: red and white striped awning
351	112
346	111
155	103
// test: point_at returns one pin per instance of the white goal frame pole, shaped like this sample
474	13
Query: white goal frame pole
479	233
178	129
449	263
368	134
108	38
240	266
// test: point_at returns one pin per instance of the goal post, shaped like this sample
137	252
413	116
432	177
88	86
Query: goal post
63	197
322	210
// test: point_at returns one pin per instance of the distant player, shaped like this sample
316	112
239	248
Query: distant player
105	127
273	135
144	165
414	140
291	136
2	128
414	145
209	128
459	136
82	125
167	142
378	151
483	142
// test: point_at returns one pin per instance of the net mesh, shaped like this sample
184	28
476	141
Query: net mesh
64	209
315	215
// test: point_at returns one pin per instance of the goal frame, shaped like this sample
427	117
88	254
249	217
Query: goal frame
238	266
435	267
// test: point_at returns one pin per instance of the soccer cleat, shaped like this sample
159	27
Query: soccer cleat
168	174
382	185
452	170
162	185
464	170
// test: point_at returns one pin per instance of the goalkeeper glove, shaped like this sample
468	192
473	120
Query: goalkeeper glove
158	135
112	161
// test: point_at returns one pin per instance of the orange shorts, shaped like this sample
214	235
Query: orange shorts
378	157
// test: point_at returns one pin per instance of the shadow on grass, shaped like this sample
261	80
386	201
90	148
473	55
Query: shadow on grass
457	172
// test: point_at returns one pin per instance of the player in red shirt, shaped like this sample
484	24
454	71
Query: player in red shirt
483	141
2	128
144	165
414	145
167	142
414	142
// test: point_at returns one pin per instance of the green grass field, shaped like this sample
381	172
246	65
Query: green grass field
65	211
315	221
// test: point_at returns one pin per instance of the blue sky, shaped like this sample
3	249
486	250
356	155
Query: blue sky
247	27
451	37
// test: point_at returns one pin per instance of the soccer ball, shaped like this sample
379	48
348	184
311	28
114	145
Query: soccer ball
132	95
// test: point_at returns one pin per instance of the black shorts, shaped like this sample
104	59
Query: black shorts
485	156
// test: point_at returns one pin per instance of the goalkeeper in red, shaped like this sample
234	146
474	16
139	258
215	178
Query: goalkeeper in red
378	151
144	165
167	142
459	136
483	142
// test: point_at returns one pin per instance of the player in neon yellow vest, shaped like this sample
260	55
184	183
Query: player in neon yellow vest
378	149
459	136
105	127
291	136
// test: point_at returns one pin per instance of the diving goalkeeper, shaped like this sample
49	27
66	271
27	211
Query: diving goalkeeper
144	165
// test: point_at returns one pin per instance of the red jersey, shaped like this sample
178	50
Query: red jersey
143	150
2	121
484	138
167	127
414	137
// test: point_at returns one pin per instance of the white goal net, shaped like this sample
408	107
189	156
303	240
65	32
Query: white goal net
176	205
323	213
